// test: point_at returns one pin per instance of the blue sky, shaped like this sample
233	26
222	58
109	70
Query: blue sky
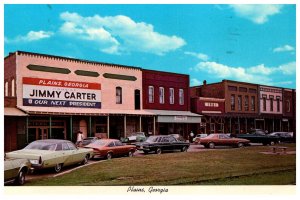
250	43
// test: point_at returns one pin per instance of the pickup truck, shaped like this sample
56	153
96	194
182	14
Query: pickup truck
259	136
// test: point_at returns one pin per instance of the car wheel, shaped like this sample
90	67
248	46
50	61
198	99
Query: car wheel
184	149
20	179
146	152
211	145
240	145
86	159
272	143
109	156
130	154
58	167
158	151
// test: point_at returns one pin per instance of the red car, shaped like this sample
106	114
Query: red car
213	140
108	148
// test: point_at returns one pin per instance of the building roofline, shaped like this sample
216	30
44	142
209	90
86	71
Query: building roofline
72	59
152	70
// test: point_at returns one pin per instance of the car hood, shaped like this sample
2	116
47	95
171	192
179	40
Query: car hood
28	153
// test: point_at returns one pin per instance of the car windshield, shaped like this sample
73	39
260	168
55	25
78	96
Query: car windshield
152	139
41	146
99	142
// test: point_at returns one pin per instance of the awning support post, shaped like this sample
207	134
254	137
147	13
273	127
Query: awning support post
140	123
50	127
153	125
107	126
71	128
27	119
125	126
90	126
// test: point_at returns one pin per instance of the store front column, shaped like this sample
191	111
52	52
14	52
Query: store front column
140	124
230	125
154	125
50	127
71	128
27	133
125	126
107	126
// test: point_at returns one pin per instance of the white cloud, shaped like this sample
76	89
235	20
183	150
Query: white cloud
288	69
257	74
200	56
261	69
115	34
284	48
30	36
258	13
195	81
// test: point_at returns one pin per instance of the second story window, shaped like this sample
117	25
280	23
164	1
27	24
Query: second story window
181	97
240	103
161	95
264	102
232	102
271	103
288	106
246	103
252	103
13	87
6	89
151	94
278	103
118	95
171	92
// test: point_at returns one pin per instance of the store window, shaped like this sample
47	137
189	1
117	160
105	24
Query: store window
118	95
232	102
151	94
171	92
161	95
181	97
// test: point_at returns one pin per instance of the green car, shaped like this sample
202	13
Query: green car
52	153
15	170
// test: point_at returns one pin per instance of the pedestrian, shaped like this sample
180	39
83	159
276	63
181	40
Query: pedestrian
191	137
79	138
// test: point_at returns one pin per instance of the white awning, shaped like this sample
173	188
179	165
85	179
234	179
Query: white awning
82	111
167	116
13	112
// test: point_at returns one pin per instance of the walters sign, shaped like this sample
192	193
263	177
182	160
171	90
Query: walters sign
60	93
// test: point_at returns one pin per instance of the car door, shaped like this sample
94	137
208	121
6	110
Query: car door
175	144
8	170
166	143
66	154
75	153
120	149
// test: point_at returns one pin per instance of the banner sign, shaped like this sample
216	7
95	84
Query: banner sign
60	93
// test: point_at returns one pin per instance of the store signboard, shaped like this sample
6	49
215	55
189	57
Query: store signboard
60	93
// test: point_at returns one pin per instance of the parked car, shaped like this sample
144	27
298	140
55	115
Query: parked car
159	143
259	136
283	136
221	139
88	140
178	137
135	137
108	148
52	153
199	136
15	170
